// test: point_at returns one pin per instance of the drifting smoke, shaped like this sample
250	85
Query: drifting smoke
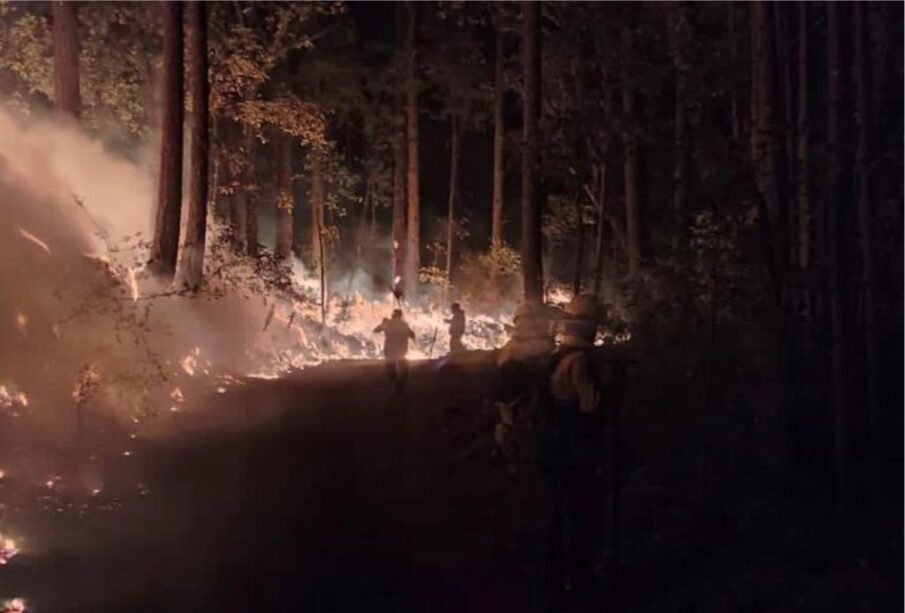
87	333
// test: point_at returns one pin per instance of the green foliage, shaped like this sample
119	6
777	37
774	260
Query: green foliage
117	43
490	276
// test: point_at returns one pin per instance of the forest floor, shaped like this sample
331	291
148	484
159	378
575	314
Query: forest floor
330	492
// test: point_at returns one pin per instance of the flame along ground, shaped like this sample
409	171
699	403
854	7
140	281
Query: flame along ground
292	336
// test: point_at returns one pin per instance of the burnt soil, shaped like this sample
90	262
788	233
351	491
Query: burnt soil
330	492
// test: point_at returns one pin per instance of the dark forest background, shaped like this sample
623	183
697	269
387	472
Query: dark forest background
727	176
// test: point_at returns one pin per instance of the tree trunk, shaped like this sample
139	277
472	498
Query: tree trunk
237	211
192	260
600	247
784	70
250	191
630	167
804	213
285	200
736	107
399	205
865	218
579	248
764	138
67	100
765	142
679	26
317	207
165	244
453	174
413	246
531	205
840	417
499	131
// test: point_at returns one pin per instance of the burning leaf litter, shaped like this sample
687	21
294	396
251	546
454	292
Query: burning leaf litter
15	605
8	549
34	239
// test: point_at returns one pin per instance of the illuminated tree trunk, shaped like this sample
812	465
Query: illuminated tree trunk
413	246
249	190
865	218
67	100
837	336
399	205
804	195
630	164
236	172
531	209
285	200
317	207
165	244
496	231
453	174
577	272
318	237
600	243
192	259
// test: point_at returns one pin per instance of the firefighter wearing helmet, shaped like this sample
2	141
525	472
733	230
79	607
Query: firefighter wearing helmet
570	455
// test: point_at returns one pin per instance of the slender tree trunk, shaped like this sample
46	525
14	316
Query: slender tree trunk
192	260
600	247
679	26
499	131
531	202
453	175
165	244
317	207
734	63
213	201
865	215
840	418
765	141
237	212
285	200
250	191
804	213
363	241
399	206
630	167
413	246
784	69
67	100
579	248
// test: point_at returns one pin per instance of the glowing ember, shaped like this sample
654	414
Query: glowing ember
8	550
34	239
16	605
11	398
22	323
132	283
190	362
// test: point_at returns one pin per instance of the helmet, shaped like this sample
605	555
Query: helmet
583	308
530	310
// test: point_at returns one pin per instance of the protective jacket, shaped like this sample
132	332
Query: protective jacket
396	338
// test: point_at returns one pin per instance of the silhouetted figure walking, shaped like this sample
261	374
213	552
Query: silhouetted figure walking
456	328
395	346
